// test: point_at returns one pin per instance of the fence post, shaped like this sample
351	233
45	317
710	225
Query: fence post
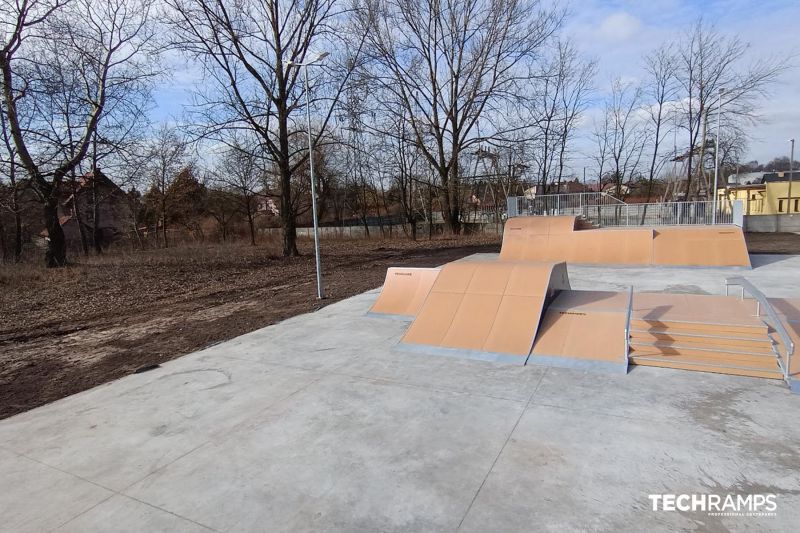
512	205
738	213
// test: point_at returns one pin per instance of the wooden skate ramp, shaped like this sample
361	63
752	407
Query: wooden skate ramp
583	330
527	238
486	310
700	246
557	238
404	290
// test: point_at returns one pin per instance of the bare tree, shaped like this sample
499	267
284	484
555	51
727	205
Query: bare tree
245	47
624	133
443	65
9	167
242	172
558	99
709	62
166	158
99	43
659	92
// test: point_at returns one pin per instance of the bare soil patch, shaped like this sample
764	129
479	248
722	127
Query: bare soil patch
66	330
773	243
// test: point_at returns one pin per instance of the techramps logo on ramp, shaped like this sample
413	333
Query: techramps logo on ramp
743	505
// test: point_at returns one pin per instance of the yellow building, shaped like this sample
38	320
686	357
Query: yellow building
771	198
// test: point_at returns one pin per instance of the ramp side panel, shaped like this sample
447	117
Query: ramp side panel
700	246
404	290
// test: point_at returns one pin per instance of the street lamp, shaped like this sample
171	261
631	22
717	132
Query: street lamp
716	158
791	162
314	60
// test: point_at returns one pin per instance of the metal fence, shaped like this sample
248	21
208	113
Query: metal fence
603	210
659	214
560	204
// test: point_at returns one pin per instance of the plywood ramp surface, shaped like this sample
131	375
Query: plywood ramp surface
728	313
700	246
526	238
404	290
542	238
582	329
486	307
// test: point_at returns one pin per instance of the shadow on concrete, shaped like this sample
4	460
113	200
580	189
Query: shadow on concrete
759	260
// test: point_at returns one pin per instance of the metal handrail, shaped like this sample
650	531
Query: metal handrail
628	325
762	301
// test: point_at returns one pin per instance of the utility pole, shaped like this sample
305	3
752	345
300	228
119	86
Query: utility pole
791	164
716	157
304	66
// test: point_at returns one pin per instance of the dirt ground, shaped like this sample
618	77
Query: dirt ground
773	243
66	330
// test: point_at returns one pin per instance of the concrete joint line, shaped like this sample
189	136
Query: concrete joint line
503	447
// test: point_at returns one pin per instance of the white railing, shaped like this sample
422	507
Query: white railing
628	326
604	210
559	204
662	214
762	302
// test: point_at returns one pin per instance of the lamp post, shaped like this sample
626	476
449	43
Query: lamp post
314	60
791	163
716	158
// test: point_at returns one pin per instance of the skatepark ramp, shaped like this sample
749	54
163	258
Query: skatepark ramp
485	310
583	330
560	238
404	291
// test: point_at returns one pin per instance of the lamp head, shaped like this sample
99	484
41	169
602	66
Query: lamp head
319	56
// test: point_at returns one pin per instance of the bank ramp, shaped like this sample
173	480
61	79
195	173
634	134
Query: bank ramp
485	310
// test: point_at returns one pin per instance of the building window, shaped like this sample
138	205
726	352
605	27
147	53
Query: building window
796	203
780	206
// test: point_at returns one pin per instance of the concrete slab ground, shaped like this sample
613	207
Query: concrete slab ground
317	423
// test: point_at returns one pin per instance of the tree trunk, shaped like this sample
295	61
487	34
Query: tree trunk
76	213
289	230
250	223
17	224
453	219
97	234
56	253
3	241
430	212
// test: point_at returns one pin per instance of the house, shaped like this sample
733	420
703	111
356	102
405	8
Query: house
93	200
750	178
768	198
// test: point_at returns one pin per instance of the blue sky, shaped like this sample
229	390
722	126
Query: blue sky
618	33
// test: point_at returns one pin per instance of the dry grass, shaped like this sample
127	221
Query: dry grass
65	330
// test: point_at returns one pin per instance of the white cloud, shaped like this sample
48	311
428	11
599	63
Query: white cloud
598	29
620	26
